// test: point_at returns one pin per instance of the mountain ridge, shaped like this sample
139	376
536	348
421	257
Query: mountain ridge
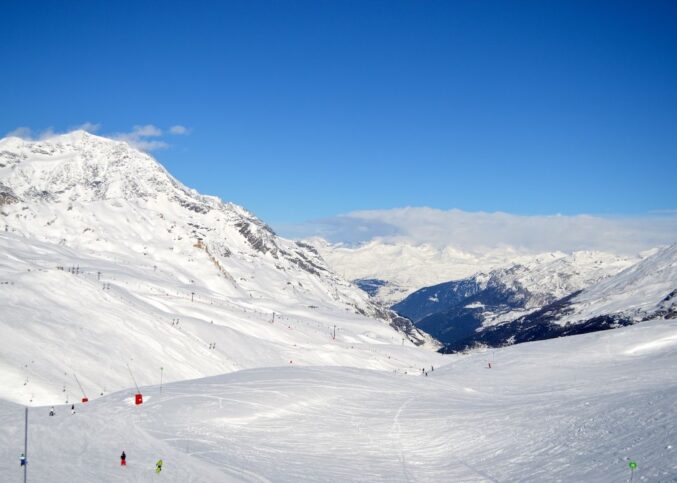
122	242
643	291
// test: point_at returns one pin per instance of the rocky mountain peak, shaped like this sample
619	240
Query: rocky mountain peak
84	167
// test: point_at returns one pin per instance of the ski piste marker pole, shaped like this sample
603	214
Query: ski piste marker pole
633	467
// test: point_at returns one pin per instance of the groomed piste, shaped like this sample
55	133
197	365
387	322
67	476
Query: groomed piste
572	409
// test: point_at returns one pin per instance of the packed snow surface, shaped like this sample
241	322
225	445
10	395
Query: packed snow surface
570	409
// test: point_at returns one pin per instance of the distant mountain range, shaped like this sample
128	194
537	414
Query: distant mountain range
580	293
525	286
526	297
391	271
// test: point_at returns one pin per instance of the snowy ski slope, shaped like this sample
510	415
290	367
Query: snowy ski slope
570	409
56	324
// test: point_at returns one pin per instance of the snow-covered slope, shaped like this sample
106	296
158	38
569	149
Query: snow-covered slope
574	409
101	251
549	277
455	309
644	291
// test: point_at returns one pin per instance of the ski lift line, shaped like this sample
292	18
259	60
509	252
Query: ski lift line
133	379
80	385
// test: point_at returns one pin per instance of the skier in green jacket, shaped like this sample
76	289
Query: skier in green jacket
158	466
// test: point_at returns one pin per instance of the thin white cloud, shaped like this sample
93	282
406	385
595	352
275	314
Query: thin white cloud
90	127
479	232
139	137
146	137
179	130
28	134
147	130
21	132
148	144
47	133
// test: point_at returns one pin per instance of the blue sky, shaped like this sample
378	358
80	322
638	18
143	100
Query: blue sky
304	110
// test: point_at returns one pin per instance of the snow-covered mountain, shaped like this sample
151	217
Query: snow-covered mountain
391	271
645	290
104	255
520	287
457	309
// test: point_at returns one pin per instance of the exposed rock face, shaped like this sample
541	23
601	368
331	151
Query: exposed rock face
7	196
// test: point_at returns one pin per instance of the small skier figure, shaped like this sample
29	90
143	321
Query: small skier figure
432	369
123	459
72	408
158	466
51	411
22	460
489	365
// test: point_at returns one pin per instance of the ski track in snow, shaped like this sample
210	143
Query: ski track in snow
397	430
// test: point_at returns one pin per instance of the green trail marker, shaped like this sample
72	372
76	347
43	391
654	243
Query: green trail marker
633	467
